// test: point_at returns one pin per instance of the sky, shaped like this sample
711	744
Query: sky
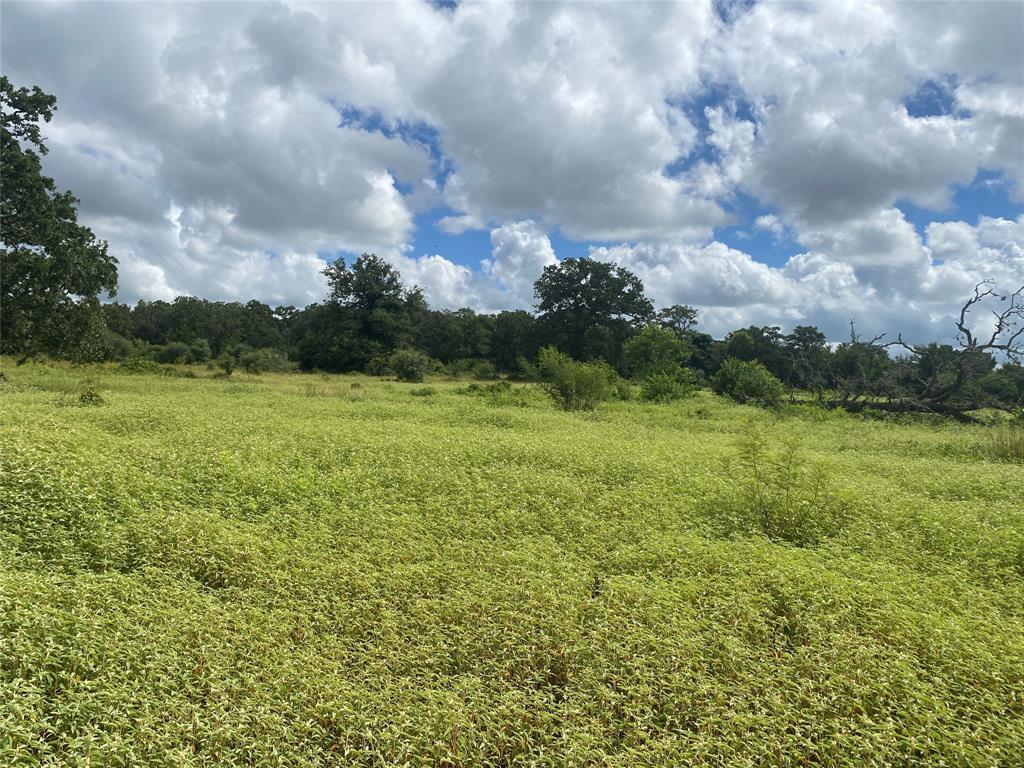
770	163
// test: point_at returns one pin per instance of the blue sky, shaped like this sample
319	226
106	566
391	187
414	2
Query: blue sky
771	163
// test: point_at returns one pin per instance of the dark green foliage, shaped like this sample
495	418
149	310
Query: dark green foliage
861	369
452	336
410	365
213	325
747	382
1005	385
116	346
483	370
678	318
655	350
666	386
370	313
574	385
174	352
379	365
514	338
589	308
808	359
265	360
52	269
200	351
226	362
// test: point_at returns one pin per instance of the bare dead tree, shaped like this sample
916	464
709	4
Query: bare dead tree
946	389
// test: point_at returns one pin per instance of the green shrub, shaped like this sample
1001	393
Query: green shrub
379	365
226	362
174	352
116	346
266	360
483	370
574	386
410	365
140	366
424	392
665	387
746	382
655	350
90	396
200	352
524	371
779	493
623	390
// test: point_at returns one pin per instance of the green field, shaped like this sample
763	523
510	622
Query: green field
292	570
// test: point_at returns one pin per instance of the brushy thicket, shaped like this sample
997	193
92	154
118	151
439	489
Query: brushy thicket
574	385
410	365
669	386
239	571
747	382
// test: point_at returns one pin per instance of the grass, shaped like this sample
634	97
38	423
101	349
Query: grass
289	570
1005	443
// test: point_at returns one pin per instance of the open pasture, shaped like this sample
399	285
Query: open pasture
292	570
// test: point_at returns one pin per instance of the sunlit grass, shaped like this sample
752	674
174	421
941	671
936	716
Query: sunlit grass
322	570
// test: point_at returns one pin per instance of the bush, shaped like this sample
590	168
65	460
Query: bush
200	351
665	387
483	370
226	362
264	361
779	493
174	352
746	382
140	365
379	365
655	350
116	346
623	390
410	365
524	370
574	386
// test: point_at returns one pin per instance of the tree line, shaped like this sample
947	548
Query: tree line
54	271
586	309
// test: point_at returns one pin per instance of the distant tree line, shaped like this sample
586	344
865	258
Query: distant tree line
588	313
587	310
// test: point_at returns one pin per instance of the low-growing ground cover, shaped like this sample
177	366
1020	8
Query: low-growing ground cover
309	570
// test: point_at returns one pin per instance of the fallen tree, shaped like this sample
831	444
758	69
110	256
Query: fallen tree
934	378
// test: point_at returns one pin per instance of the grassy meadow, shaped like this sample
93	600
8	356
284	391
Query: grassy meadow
312	570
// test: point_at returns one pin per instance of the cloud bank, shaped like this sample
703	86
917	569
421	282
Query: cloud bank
226	150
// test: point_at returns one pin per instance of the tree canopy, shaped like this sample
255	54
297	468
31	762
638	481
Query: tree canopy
52	269
589	308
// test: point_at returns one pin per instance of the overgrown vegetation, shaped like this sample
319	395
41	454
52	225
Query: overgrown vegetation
215	571
1005	442
777	491
574	385
410	365
747	382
